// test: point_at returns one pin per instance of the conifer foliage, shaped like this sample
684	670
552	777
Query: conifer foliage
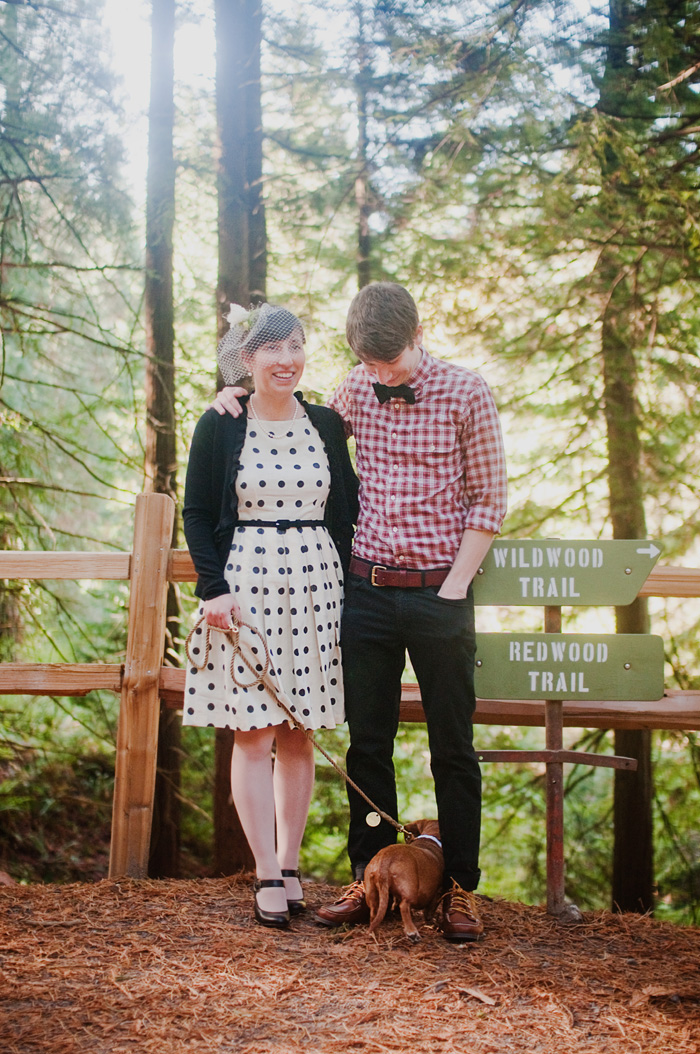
69	402
66	269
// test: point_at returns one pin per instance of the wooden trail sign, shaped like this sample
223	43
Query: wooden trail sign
552	666
608	667
555	572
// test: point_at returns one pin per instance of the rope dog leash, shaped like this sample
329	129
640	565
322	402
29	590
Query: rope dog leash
262	676
233	635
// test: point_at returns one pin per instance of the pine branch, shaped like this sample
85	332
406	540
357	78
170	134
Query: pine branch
64	218
56	327
684	76
59	444
54	265
35	6
11	481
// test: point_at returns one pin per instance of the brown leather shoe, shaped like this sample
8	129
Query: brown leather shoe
351	907
458	918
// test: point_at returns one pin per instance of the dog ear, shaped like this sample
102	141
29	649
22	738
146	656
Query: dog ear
413	828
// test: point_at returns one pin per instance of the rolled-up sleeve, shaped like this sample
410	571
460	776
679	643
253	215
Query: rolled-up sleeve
485	482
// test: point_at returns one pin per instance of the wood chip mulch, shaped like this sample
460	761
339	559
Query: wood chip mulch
175	966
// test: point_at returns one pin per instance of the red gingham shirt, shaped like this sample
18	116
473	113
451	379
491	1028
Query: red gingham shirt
427	471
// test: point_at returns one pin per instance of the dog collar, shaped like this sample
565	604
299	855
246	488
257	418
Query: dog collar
431	837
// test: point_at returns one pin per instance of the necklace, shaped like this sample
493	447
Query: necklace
272	435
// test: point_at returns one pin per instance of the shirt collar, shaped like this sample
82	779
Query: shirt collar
421	373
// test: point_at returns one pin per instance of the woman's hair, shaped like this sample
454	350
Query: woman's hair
382	321
249	330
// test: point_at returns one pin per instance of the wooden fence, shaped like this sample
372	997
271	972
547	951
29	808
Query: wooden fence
142	680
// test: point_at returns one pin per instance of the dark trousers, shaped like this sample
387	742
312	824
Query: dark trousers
379	625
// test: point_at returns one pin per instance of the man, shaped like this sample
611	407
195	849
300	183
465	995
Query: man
432	497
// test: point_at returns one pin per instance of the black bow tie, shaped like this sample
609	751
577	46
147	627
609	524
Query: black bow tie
402	391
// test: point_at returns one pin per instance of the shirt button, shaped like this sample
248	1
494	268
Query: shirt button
395	530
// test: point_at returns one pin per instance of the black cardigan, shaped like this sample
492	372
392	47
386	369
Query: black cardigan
210	512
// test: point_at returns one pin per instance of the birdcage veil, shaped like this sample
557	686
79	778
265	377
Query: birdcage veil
249	330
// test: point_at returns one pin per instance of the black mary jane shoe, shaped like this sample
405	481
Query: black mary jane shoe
296	907
277	919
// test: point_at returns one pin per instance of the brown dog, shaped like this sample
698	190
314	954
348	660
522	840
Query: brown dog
411	874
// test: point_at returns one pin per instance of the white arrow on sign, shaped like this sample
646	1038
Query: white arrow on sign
652	552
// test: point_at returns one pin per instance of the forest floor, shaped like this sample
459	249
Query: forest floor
175	966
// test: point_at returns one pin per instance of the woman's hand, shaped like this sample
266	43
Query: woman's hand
221	611
227	400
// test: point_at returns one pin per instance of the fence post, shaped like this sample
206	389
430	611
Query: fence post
555	787
554	740
137	737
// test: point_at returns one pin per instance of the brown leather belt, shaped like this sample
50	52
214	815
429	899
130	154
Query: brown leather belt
379	575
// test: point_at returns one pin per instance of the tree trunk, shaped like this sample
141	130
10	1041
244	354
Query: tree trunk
633	875
362	184
241	280
161	455
234	64
632	886
231	850
10	623
257	231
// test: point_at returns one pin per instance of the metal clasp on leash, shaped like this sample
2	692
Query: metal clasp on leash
233	634
234	629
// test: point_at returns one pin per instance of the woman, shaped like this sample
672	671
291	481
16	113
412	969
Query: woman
270	503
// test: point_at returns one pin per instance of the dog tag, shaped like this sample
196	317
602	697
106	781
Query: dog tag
373	819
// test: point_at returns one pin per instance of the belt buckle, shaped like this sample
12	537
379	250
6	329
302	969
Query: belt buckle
377	567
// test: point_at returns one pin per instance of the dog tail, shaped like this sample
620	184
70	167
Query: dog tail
378	908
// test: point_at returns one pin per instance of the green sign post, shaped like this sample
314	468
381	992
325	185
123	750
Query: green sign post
533	573
615	666
554	667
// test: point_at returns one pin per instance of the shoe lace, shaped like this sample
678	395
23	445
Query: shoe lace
461	900
354	891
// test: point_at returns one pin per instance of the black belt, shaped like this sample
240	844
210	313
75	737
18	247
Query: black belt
281	525
380	575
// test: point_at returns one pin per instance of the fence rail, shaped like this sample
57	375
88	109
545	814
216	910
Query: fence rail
110	566
662	581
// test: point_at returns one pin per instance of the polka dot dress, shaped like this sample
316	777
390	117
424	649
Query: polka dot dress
288	585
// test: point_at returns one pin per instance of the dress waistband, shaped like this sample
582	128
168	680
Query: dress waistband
281	525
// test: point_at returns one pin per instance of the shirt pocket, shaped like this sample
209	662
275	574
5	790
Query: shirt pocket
434	445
